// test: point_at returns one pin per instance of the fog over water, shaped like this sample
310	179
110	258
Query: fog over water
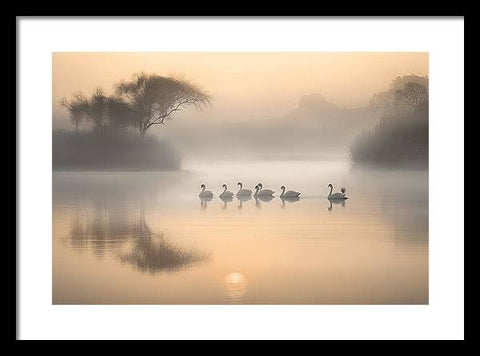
147	238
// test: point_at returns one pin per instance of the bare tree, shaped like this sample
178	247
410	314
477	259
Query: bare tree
412	94
154	99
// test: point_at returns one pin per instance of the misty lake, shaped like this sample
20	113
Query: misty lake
147	238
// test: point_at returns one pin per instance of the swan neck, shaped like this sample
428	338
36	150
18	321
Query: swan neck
331	190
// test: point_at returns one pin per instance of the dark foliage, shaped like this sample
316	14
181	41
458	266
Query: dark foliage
396	142
93	150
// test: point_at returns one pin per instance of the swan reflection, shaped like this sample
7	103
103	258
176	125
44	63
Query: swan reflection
265	198
204	201
243	198
288	199
336	202
257	202
225	201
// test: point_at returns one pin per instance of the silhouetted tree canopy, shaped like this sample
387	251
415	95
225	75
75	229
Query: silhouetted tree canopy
407	90
75	108
100	110
400	138
395	141
144	101
153	99
400	81
412	94
119	112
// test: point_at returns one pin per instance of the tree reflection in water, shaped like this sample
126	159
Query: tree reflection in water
154	254
110	219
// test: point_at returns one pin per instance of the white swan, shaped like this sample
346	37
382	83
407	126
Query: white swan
336	195
242	191
264	192
226	194
266	198
288	194
205	193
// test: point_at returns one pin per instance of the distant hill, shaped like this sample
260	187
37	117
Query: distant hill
315	126
342	121
316	103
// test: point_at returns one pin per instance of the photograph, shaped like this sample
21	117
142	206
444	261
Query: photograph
240	177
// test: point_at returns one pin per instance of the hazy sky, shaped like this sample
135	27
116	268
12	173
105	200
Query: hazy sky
245	85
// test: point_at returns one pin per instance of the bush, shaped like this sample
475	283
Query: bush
91	150
395	142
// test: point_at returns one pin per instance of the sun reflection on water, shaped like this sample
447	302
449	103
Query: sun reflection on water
235	287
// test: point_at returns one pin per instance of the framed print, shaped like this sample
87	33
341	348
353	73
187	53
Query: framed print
273	178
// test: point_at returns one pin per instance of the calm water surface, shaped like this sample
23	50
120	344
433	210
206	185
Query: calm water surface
146	237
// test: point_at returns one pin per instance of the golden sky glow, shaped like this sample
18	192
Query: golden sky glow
245	85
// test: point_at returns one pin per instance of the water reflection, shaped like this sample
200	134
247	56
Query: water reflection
288	199
148	251
402	198
153	254
146	225
225	201
105	220
105	228
266	198
204	201
336	202
235	287
243	198
257	202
